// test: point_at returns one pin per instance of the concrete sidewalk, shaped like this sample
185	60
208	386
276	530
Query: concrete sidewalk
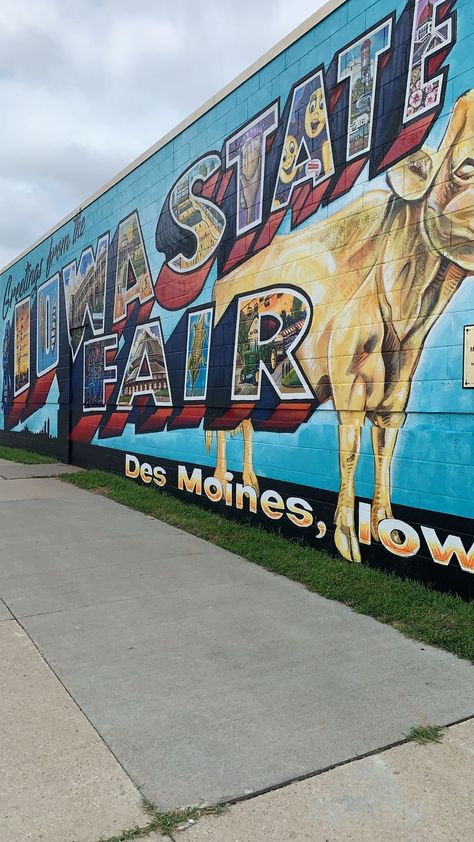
58	781
207	676
412	792
16	470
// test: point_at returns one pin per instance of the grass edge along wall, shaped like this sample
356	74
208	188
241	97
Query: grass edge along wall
272	312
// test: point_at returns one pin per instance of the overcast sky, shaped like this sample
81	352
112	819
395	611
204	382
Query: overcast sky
86	86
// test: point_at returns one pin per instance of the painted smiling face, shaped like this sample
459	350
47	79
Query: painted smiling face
288	161
315	115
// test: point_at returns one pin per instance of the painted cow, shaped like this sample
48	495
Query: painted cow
378	273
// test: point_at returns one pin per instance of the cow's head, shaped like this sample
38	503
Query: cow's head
444	182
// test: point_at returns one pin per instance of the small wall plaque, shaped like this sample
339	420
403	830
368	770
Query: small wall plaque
468	373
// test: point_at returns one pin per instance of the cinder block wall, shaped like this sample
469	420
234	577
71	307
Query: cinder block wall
271	311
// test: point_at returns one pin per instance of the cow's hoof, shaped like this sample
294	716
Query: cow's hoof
250	478
378	515
347	543
220	475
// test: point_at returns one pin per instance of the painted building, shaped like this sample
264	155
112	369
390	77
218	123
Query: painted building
272	310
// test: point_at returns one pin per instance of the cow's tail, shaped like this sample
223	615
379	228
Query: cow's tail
236	431
208	434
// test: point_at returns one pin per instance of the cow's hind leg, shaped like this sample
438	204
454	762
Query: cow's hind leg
384	438
345	538
221	466
248	474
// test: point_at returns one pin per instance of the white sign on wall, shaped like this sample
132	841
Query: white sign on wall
468	373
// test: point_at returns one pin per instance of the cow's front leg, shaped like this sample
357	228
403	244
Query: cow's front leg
248	474
345	538
384	439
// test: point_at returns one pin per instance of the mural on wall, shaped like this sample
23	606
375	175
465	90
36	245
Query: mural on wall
47	355
307	148
22	347
84	291
359	63
303	281
377	299
268	328
132	278
146	372
427	39
197	354
196	214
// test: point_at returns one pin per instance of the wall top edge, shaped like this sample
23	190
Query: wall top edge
324	11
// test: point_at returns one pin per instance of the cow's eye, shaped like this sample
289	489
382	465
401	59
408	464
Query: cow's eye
466	169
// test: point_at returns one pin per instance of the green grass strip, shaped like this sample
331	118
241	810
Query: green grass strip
26	457
427	615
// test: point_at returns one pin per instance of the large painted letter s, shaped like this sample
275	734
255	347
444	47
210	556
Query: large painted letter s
200	216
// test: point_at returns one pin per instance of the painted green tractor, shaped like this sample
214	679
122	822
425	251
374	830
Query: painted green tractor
250	372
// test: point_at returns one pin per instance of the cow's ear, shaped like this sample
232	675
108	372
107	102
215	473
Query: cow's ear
412	177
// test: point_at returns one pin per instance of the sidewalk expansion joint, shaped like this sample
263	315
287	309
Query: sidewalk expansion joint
156	825
287	782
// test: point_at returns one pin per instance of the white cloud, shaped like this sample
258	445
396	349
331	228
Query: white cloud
87	86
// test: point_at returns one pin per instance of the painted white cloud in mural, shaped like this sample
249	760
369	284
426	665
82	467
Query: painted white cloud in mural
76	88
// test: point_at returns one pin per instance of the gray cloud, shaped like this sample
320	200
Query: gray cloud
86	87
